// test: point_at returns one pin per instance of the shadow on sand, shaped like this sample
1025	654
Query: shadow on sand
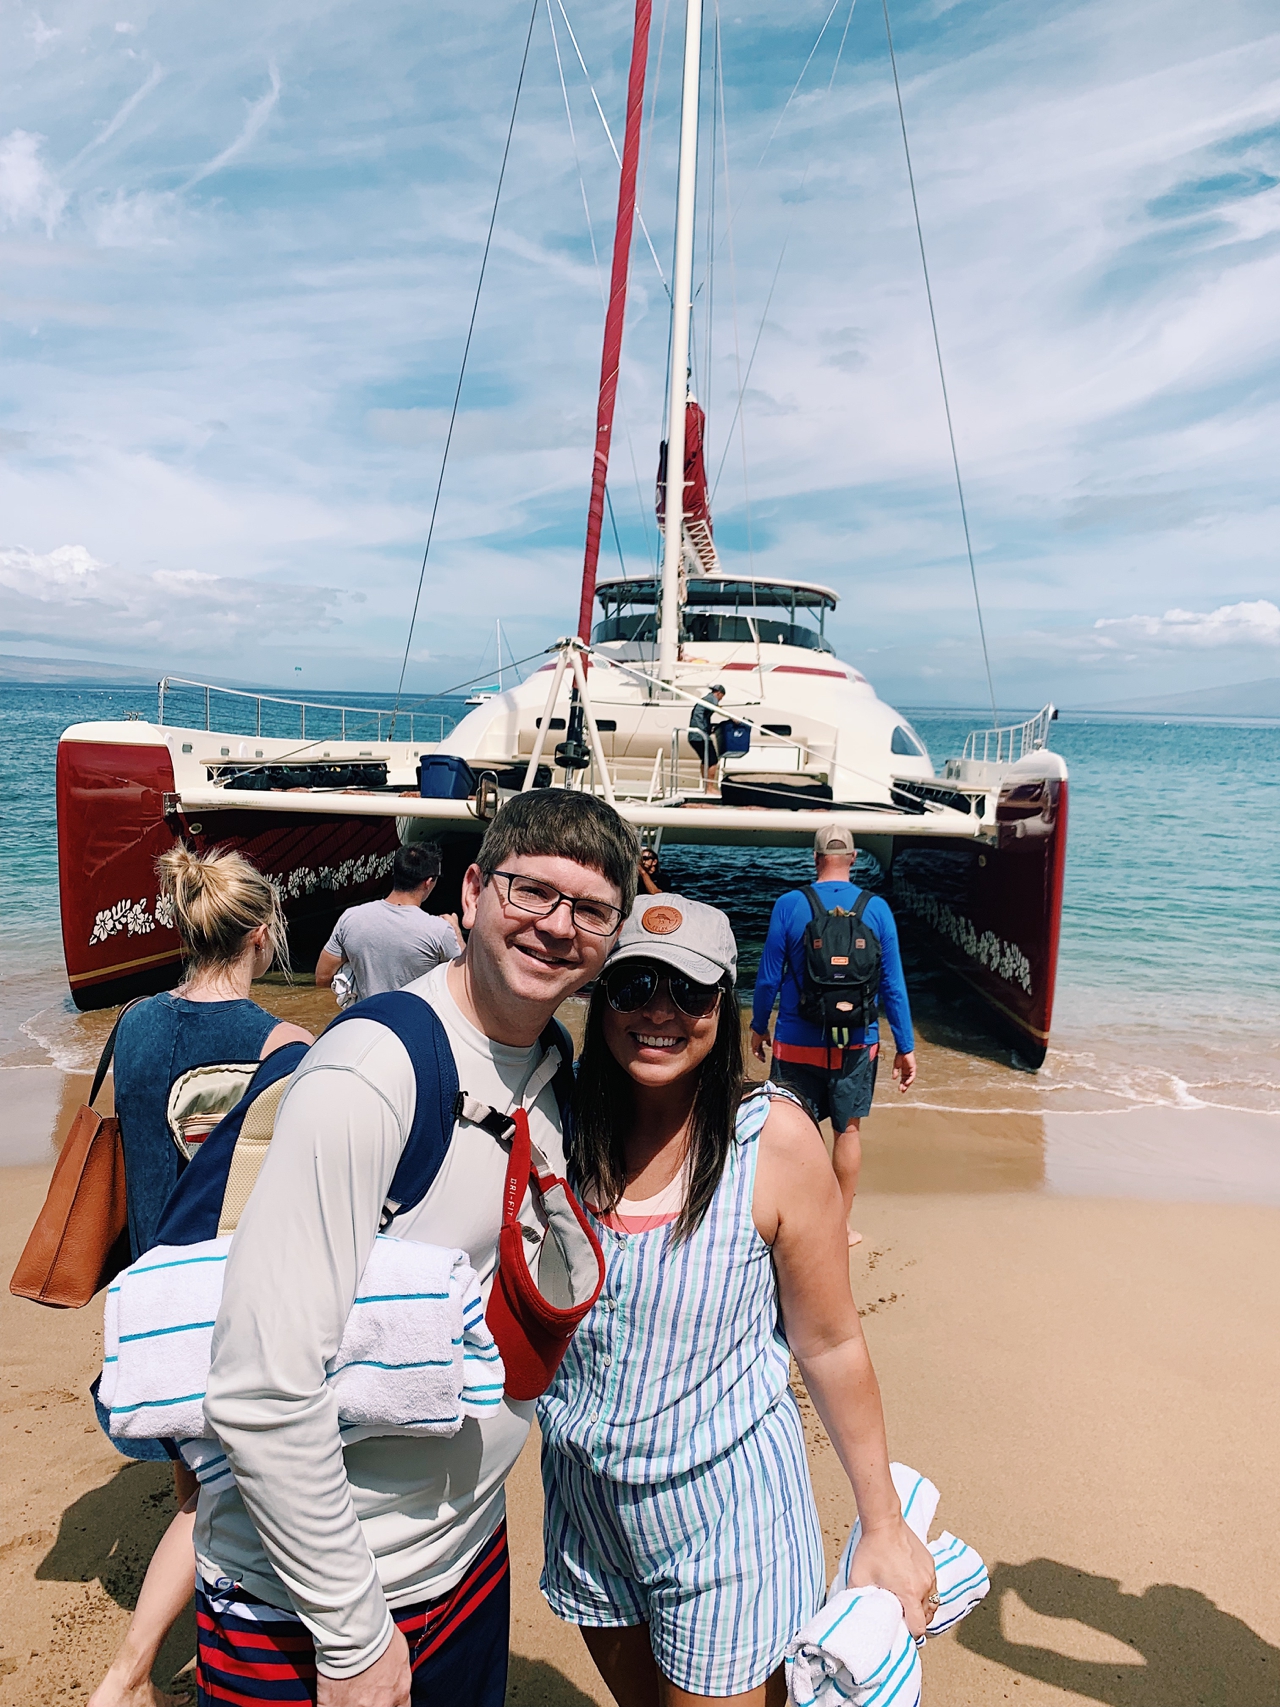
108	1536
1187	1652
534	1683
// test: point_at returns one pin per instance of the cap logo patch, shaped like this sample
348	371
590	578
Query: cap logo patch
661	921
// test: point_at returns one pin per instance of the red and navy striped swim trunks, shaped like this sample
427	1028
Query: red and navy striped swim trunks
249	1652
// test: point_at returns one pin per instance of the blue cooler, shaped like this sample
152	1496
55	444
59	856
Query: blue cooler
444	776
734	739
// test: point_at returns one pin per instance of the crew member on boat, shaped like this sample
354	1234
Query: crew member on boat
701	738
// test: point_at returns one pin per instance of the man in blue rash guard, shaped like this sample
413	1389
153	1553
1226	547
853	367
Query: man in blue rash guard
836	1082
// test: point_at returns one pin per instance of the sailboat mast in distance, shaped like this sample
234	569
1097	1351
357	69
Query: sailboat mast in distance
616	311
681	312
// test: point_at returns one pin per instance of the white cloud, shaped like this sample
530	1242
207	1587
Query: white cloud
123	113
1254	622
30	193
65	575
259	112
144	220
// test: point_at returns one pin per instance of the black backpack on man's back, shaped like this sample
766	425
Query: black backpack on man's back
841	967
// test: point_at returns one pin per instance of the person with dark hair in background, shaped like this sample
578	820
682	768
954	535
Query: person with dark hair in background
388	943
651	878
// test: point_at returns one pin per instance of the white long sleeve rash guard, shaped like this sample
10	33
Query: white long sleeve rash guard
341	1537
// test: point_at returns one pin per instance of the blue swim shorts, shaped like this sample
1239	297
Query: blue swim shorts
840	1094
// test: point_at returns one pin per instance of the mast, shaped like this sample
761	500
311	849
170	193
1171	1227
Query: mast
681	311
616	311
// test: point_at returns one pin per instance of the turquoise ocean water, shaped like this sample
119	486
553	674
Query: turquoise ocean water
1169	980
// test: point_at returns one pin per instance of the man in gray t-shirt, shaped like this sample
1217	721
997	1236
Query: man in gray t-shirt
387	944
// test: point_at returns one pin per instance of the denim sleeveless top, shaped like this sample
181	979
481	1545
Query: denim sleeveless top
158	1041
683	1352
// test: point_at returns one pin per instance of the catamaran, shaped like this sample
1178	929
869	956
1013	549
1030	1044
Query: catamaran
973	855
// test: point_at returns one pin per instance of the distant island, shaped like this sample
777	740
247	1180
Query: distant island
73	672
1237	699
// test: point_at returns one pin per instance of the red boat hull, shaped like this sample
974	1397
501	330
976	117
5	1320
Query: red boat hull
993	911
117	936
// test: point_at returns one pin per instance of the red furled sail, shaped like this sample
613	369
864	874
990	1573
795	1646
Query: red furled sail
697	503
617	310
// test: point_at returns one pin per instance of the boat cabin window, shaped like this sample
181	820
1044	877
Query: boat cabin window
711	628
720	609
906	743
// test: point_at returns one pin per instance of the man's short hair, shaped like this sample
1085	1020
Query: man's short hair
560	823
719	688
415	865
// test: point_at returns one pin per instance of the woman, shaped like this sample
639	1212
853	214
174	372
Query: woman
650	872
231	926
681	1532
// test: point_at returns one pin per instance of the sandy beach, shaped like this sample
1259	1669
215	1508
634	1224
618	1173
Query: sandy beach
1090	1380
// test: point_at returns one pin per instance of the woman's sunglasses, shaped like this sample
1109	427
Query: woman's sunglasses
634	985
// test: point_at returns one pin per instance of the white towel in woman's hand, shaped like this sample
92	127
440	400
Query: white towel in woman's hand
416	1355
858	1651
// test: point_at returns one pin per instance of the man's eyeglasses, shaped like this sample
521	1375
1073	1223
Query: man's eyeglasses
634	984
529	895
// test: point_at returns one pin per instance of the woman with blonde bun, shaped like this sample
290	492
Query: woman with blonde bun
231	926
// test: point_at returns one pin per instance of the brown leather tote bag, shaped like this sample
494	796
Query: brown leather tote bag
80	1241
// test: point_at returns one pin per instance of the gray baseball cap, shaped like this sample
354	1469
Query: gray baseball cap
834	839
674	930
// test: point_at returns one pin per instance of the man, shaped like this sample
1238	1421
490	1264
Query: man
390	942
836	1082
701	738
397	1538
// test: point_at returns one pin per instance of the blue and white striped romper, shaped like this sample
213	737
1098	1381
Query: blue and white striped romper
677	1488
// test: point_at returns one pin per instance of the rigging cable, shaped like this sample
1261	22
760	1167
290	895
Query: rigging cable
591	234
937	344
466	350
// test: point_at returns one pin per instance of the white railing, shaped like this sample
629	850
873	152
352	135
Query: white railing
436	723
1011	742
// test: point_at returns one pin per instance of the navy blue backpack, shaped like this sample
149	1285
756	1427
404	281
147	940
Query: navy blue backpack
211	1193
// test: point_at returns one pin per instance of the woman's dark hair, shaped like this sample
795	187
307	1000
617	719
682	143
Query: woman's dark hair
604	1104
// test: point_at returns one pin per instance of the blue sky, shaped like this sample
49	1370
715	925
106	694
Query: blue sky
238	247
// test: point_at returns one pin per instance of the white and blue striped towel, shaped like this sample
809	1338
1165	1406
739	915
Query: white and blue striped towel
858	1652
416	1355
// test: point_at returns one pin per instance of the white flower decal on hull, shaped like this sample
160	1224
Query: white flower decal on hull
134	918
127	915
1005	959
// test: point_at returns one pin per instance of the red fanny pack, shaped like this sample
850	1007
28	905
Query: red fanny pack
535	1307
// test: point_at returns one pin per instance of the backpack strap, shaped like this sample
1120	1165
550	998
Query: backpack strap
816	907
194	1210
417	1025
554	1036
860	906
